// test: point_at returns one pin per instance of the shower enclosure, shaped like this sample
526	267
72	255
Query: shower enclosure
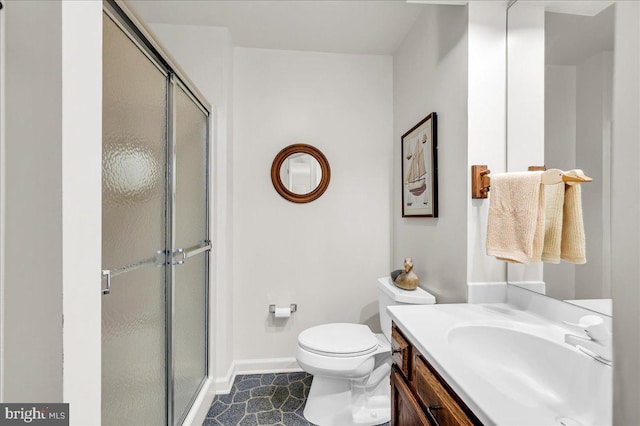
155	232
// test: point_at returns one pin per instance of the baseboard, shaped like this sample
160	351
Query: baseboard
224	383
487	292
254	366
201	405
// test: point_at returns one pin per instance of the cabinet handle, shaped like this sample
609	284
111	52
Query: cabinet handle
431	417
396	351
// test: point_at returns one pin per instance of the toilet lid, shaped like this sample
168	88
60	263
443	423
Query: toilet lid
340	339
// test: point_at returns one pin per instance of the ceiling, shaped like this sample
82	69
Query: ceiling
341	26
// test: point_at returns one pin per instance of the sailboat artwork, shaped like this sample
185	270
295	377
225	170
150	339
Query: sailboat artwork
417	177
419	169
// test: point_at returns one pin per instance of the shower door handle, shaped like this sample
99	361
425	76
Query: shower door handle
159	260
107	273
181	255
176	254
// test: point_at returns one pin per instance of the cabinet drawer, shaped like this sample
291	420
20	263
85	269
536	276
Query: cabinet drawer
436	398
400	351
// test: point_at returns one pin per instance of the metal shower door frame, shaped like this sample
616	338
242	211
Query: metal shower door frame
136	32
177	256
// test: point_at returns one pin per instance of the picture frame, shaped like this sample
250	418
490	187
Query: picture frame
419	149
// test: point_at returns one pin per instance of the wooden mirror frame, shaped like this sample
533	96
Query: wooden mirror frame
300	148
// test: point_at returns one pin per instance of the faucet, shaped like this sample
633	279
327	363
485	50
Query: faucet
597	343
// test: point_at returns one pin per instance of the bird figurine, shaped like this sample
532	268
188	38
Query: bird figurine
407	279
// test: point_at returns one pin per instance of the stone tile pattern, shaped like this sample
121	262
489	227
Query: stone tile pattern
262	399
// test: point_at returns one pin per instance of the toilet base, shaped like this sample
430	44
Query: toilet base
330	403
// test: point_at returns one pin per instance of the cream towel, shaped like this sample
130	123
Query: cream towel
553	207
573	248
515	229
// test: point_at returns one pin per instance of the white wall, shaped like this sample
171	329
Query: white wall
525	86
326	255
486	128
32	318
82	209
625	239
430	75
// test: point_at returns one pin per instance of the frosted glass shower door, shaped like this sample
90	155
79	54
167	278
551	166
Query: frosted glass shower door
134	182
191	248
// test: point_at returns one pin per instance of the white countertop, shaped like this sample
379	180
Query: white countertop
508	402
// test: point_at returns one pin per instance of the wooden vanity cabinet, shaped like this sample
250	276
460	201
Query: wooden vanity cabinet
419	396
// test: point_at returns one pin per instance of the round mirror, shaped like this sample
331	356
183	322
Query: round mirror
300	173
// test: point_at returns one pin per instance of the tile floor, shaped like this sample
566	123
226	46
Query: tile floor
263	399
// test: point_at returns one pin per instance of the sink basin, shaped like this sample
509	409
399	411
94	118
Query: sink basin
532	370
508	365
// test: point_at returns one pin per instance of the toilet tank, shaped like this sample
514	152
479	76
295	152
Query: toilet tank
391	295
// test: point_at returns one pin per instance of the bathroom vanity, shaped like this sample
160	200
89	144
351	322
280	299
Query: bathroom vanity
493	364
419	396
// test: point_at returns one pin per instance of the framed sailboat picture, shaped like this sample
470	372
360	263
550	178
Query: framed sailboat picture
420	169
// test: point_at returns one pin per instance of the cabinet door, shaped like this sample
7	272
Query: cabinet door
405	410
440	403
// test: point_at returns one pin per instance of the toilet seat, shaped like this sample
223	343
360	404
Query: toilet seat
339	340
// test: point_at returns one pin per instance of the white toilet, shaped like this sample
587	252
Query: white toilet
350	364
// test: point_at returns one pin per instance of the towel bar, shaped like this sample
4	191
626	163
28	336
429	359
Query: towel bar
481	181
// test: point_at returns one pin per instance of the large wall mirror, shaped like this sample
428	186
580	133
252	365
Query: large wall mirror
560	93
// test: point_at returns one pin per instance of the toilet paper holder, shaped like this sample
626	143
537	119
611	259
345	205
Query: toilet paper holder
293	307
